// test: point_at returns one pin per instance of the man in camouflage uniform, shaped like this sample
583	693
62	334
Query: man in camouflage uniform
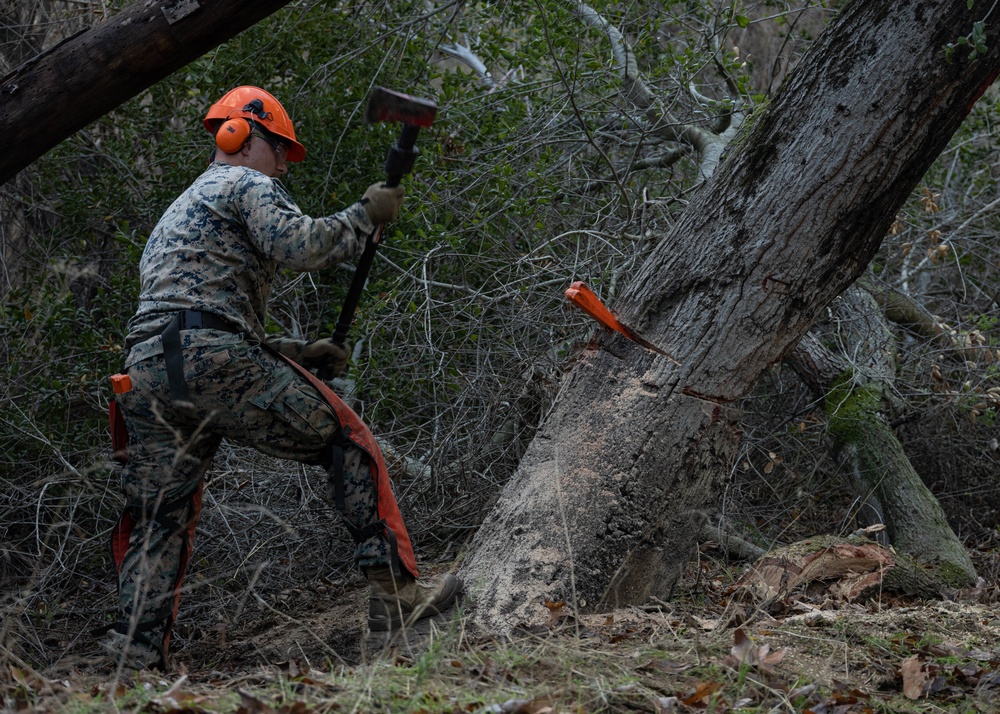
201	370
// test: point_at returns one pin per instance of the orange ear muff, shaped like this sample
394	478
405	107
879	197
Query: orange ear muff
232	135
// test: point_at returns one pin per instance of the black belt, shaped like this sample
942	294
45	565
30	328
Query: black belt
189	320
201	320
173	359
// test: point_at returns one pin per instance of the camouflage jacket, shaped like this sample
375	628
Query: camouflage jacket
220	244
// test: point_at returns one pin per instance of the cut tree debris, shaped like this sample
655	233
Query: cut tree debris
831	568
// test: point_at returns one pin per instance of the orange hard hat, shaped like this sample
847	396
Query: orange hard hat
258	108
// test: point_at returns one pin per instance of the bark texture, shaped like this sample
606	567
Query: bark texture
60	91
875	459
608	502
888	488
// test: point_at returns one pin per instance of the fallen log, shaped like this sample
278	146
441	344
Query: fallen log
825	568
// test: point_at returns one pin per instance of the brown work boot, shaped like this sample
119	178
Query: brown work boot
403	600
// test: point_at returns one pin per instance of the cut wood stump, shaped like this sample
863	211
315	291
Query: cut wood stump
827	568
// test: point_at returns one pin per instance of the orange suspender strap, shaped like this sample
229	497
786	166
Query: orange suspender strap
361	436
120	537
186	550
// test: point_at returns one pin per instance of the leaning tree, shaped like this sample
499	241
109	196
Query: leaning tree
608	501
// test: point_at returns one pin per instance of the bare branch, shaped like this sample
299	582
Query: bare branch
635	89
464	54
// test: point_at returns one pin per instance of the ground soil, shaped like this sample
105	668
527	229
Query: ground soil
705	649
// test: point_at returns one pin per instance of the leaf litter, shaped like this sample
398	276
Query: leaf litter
700	652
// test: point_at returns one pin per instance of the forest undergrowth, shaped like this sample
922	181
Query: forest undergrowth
272	620
699	652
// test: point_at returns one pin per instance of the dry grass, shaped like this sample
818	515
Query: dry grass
685	656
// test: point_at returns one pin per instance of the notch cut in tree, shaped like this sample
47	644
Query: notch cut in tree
607	504
57	93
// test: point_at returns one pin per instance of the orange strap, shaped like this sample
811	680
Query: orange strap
358	432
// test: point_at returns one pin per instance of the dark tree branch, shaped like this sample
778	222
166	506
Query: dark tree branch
60	91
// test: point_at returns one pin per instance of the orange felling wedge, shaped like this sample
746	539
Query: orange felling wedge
580	294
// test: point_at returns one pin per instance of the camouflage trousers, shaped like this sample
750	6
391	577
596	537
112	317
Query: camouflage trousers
242	393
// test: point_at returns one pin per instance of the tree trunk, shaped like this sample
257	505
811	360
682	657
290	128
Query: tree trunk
875	458
888	487
60	91
608	502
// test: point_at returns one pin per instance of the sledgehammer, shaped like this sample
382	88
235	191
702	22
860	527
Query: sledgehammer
384	105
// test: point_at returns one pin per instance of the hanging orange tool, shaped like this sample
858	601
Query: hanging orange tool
584	298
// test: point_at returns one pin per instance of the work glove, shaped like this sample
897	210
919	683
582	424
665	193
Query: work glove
382	203
326	357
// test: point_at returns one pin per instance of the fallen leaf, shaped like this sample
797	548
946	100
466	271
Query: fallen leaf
557	611
768	660
745	654
914	677
294	708
540	705
252	705
702	693
806	690
742	647
844	695
702	623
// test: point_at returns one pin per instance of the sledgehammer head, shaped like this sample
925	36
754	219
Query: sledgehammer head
384	105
